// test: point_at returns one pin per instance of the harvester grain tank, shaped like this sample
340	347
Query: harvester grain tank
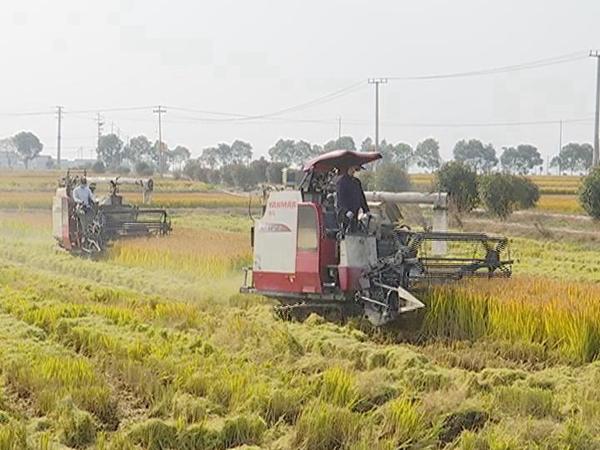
308	261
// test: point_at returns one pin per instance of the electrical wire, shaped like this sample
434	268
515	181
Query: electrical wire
474	124
274	115
104	110
235	117
561	59
30	113
277	120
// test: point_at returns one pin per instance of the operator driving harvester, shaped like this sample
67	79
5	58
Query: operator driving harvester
319	248
83	225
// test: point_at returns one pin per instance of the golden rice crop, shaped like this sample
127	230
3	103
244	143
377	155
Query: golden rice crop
41	199
561	203
23	200
562	316
205	253
548	184
195	199
554	184
47	180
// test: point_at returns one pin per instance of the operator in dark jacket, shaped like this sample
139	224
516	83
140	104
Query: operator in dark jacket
350	198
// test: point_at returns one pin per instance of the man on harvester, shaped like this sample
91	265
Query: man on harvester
82	194
350	198
85	201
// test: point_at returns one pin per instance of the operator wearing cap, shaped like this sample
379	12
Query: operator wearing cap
82	194
350	197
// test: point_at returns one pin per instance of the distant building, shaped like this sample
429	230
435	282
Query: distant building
80	163
41	162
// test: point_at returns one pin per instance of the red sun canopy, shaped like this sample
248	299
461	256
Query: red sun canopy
340	159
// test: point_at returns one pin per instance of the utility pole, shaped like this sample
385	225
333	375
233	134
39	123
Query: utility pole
339	127
596	159
559	145
59	110
100	123
377	82
160	111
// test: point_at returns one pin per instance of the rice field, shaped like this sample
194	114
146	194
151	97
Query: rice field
153	348
43	200
559	203
32	190
548	184
46	181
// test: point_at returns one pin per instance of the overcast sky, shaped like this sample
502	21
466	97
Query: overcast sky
256	57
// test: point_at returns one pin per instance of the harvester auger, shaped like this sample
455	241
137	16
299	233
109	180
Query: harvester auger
88	231
309	262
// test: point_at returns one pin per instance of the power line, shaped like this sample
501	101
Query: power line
27	113
317	101
562	59
265	120
105	110
476	124
185	119
202	111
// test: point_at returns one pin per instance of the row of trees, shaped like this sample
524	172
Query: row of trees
499	193
140	153
23	146
144	155
521	159
502	193
482	158
295	153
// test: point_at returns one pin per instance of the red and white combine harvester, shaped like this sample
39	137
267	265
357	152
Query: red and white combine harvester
88	229
311	262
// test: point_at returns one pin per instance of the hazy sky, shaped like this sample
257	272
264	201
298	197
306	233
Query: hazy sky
257	56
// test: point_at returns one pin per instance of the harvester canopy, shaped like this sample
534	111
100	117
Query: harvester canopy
340	159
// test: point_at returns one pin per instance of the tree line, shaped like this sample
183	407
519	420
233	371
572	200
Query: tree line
138	153
143	155
23	146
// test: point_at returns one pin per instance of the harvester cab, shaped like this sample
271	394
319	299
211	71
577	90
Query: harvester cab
307	259
88	229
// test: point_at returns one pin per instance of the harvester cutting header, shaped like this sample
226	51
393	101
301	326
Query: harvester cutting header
322	248
83	225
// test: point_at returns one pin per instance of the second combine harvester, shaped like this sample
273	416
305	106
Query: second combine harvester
307	261
89	230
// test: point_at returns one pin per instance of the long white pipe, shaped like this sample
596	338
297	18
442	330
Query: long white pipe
120	180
